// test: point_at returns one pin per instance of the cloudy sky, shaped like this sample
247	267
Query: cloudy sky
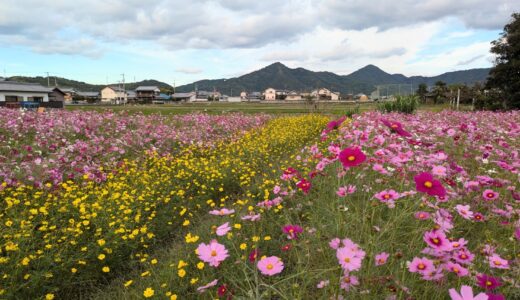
183	41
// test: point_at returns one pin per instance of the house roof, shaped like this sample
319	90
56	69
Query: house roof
115	88
131	94
146	88
13	86
182	95
88	94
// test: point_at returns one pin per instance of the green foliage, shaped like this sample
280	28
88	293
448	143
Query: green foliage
403	104
505	76
352	111
491	100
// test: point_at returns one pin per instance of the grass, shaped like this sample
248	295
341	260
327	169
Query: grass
270	108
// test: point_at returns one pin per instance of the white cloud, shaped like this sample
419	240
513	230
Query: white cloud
189	70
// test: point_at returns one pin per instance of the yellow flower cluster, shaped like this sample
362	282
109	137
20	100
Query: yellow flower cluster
81	230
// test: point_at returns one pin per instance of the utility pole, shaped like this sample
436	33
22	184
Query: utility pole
55	82
458	98
124	91
48	81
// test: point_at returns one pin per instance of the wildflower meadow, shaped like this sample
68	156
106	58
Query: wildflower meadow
103	205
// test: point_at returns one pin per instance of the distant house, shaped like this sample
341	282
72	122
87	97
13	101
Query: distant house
114	95
325	94
243	95
293	96
131	96
361	97
16	94
69	94
187	97
270	94
147	93
87	96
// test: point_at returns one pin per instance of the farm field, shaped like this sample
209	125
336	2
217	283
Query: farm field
258	202
250	108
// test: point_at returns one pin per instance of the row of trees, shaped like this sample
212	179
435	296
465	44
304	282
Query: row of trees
444	93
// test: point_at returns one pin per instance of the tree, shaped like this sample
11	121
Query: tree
505	75
422	90
439	91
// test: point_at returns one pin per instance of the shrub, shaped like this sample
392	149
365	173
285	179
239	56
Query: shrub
403	104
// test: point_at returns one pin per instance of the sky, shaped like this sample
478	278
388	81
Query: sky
179	42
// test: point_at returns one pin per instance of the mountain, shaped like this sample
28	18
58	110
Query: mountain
364	80
86	87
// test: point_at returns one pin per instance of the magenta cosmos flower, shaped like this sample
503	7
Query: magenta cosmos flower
292	231
466	293
270	266
351	157
490	195
336	123
304	185
422	215
348	281
437	240
425	183
396	127
488	282
213	253
387	195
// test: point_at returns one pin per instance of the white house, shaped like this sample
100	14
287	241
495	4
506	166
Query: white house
187	97
11	91
270	94
325	94
114	95
293	96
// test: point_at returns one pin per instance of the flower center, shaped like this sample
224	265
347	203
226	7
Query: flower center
456	245
463	256
497	262
213	253
346	279
428	184
456	270
291	230
436	241
421	266
386	196
351	158
269	267
490	195
394	126
347	260
489	283
421	216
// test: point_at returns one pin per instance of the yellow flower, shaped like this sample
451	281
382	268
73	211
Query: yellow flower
267	238
153	261
243	246
105	269
181	264
181	273
256	238
128	283
101	256
237	226
49	296
173	297
200	265
101	242
149	292
73	270
25	261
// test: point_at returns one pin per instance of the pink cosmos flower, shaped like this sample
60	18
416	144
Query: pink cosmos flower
213	253
381	258
488	282
270	266
459	270
425	183
478	217
203	288
223	229
351	157
517	233
348	259
335	243
422	215
348	281
436	239
323	284
421	265
495	261
489	195
464	211
251	217
292	231
463	256
466	293
439	171
222	212
387	196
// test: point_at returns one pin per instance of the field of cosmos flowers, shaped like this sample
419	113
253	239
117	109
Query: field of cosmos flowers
102	205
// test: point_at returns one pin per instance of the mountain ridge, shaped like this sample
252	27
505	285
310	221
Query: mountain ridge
279	76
